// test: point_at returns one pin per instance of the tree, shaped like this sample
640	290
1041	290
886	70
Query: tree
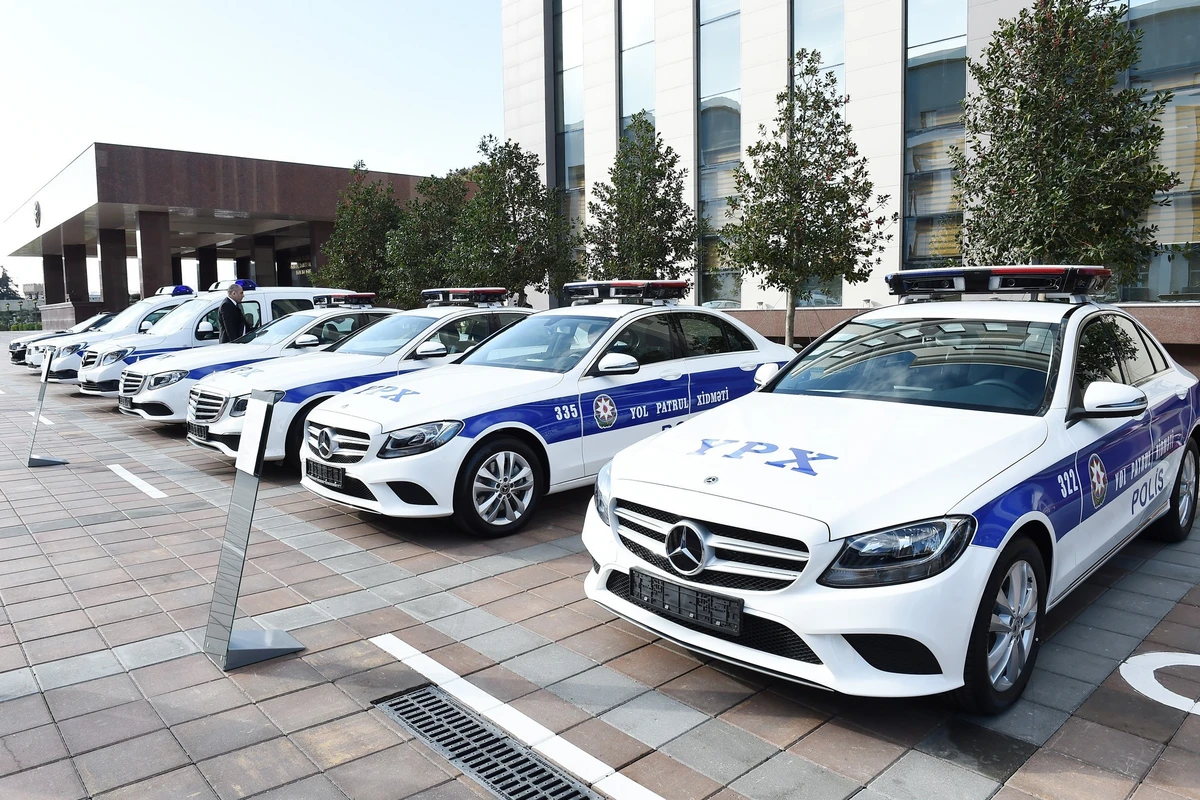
357	248
512	232
1060	164
640	226
421	248
804	210
7	290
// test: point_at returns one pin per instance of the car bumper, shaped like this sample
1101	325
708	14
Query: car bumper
168	404
936	614
65	369
224	434
101	381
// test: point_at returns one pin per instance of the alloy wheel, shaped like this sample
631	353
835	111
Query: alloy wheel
1013	626
1187	488
503	488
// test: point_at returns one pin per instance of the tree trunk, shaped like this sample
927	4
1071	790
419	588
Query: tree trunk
789	321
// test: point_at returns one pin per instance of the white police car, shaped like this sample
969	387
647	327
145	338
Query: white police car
893	512
157	388
455	320
193	323
538	408
22	349
139	317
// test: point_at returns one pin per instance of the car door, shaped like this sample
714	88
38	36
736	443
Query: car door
457	335
1111	455
619	410
720	359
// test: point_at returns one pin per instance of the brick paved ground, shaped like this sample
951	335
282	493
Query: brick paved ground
103	690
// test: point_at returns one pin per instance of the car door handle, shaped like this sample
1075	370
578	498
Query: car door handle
749	366
672	376
1181	392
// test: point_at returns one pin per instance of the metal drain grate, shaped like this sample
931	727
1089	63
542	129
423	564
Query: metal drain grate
480	749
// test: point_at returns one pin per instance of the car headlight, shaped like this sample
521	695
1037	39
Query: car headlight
167	378
115	356
419	438
900	555
71	349
241	403
602	496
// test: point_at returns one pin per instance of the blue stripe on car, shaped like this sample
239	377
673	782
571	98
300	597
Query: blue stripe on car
301	393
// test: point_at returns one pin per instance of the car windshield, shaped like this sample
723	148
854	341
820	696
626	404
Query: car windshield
988	365
384	337
87	324
544	342
129	316
276	330
180	316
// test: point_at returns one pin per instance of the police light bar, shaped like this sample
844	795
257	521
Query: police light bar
1070	281
175	291
464	297
246	284
595	291
358	299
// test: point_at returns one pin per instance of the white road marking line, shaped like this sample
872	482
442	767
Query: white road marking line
1138	672
528	731
137	482
41	419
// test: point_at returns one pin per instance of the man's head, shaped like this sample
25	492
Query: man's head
235	293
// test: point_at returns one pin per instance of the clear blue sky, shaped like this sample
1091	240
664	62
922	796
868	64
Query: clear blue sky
406	85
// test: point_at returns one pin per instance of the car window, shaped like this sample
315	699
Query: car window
1095	357
647	339
275	331
461	334
336	328
1155	351
384	337
738	341
986	365
506	318
252	312
213	318
547	342
1138	364
288	305
157	314
702	336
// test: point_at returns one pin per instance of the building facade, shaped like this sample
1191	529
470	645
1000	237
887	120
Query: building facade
708	72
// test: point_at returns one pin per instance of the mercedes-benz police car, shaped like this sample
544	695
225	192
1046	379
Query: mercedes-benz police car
139	317
157	388
893	513
193	323
454	320
21	349
538	408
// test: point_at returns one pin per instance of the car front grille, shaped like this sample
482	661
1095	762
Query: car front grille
131	383
205	406
90	357
741	559
351	445
757	633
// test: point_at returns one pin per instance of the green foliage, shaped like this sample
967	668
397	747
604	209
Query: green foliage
357	248
420	249
804	213
1060	165
8	291
639	225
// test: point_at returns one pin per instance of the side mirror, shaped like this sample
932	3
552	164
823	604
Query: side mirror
764	373
430	349
205	330
146	325
307	340
1104	399
617	364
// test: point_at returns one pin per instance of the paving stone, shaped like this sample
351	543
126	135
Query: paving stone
1136	603
788	776
17	683
138	629
111	725
550	710
1105	747
318	787
654	718
182	784
918	776
129	762
504	643
987	752
708	689
548	665
220	733
57	781
156	650
338	662
598	689
399	772
1073	663
603	741
308	707
399	592
1154	586
1025	720
1132	713
346	739
347	605
1056	691
1097	641
77	669
377	575
172	675
435	606
256	769
466	624
367	687
192	702
654	665
289	619
23	713
774	718
668	778
31	748
719	750
1049	774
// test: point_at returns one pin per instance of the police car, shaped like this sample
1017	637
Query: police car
454	320
893	513
21	349
538	408
138	317
157	388
195	322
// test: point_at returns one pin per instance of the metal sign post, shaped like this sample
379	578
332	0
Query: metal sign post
231	649
42	461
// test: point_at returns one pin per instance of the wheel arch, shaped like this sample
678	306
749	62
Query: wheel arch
521	433
1038	528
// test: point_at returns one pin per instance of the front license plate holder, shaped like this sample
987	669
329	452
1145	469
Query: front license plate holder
198	431
125	402
712	611
333	477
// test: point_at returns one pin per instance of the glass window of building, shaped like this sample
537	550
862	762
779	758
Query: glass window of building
934	88
720	137
568	104
1171	60
637	58
821	25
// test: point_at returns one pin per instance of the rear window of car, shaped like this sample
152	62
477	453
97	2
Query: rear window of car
988	365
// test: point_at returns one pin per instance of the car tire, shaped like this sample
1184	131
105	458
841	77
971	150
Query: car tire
514	470
1176	524
990	684
295	436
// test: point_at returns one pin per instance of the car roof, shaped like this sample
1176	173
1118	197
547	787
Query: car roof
1006	310
445	311
321	311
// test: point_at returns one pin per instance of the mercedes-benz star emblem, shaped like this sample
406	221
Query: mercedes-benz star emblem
687	549
326	443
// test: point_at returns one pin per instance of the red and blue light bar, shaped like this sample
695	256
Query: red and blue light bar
1060	280
358	299
175	291
464	296
625	290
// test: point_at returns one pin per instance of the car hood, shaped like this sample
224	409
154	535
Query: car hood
40	335
856	465
202	361
141	342
297	371
66	340
462	392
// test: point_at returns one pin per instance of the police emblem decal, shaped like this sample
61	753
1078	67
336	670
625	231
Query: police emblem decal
605	411
1099	477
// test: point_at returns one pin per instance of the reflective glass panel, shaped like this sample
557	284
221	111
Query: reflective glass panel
711	9
934	88
720	129
820	25
570	39
935	20
637	80
570	159
637	22
719	287
720	56
570	99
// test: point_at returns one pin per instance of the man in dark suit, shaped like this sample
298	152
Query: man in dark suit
233	324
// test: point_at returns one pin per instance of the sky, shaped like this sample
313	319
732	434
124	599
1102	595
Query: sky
405	85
